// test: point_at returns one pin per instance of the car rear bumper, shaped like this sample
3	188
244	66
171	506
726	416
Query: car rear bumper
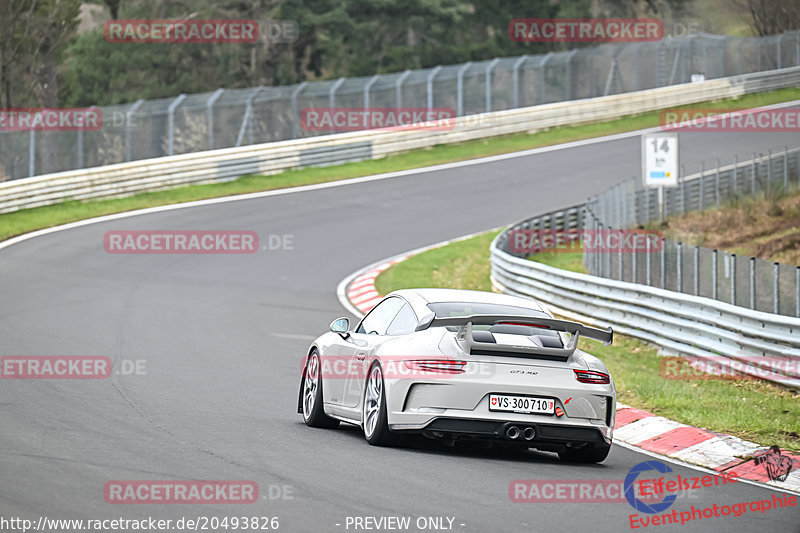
584	412
543	433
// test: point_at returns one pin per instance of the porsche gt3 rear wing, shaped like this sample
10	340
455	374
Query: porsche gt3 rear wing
471	345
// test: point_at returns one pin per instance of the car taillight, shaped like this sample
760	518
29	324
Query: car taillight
590	376
437	365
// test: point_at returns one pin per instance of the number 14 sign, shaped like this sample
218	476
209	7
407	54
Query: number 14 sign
660	160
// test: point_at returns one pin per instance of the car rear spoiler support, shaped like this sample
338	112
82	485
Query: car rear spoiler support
577	330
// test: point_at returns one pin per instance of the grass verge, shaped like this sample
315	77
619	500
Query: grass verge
27	220
753	410
765	225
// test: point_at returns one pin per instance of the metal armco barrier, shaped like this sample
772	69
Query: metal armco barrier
678	323
219	165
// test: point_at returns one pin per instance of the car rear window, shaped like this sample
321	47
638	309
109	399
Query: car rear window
454	309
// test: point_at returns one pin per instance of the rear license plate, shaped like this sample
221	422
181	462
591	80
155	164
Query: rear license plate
521	404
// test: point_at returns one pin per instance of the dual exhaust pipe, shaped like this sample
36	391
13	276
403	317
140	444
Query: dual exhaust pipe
514	433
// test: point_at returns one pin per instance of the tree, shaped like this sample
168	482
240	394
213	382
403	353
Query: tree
771	17
34	36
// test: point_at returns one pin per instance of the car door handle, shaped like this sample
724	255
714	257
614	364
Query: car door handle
361	356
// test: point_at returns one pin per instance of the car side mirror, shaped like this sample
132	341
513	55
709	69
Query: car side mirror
341	326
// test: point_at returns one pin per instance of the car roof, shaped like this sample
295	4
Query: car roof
419	298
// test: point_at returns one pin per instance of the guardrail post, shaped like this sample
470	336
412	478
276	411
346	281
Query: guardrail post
246	120
367	87
758	55
598	258
171	122
679	267
515	78
797	49
716	183
753	176
732	258
80	144
714	291
489	69
620	201
429	83
735	174
210	116
633	266
722	48
638	62
696	260
128	120
705	60
739	55
752	283
79	149
296	112
663	264
610	77
702	184
676	62
769	170
778	49
398	85
32	153
786	169
683	188
568	82
776	272
542	86
460	88
332	98
605	258
647	261
797	292
594	256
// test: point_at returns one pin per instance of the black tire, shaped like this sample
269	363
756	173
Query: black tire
587	454
377	433
311	397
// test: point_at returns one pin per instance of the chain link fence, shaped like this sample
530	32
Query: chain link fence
737	279
236	117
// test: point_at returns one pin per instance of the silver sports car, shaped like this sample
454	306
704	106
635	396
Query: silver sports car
454	364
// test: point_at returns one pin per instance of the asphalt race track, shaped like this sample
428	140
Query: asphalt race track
221	338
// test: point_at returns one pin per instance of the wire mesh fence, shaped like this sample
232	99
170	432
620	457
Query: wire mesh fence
737	279
236	117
